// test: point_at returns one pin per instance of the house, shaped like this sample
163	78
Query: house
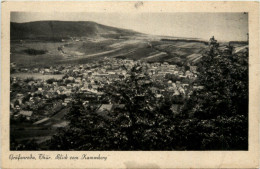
30	83
20	101
67	92
185	85
76	85
176	93
78	80
58	91
193	68
123	72
75	70
95	87
27	114
181	90
24	70
12	105
165	63
70	78
172	67
85	103
35	70
13	64
19	95
104	109
46	70
188	73
175	108
69	86
174	85
158	95
171	89
198	87
169	83
66	101
178	83
181	73
128	61
31	99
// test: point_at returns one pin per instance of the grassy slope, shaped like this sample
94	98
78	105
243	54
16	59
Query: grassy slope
98	41
63	29
83	52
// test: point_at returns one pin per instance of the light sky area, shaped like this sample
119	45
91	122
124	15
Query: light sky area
224	26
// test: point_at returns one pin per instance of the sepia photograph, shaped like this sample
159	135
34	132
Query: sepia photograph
87	81
133	84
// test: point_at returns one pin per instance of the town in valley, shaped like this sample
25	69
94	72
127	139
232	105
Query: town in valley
87	86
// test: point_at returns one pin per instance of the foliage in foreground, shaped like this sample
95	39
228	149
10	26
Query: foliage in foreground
140	124
214	118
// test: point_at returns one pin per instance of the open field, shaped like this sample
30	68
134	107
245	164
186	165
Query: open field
88	50
82	42
23	59
36	76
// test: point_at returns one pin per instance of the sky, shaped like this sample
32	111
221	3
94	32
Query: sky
224	26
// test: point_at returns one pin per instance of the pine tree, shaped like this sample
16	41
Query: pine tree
217	116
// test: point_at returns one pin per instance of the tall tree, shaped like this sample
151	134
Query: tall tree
140	124
217	116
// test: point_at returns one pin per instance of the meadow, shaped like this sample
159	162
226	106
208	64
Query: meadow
90	50
36	76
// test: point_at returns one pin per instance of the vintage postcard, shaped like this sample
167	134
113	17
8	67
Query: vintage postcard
130	84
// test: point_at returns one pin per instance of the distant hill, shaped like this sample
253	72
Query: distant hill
32	43
56	30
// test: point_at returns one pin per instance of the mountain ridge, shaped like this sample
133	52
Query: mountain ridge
53	29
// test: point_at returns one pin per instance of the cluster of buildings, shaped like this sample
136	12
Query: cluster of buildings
39	98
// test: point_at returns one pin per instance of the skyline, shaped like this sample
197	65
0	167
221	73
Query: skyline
224	26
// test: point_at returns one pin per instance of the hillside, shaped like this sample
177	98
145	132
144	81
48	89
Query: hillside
57	30
59	42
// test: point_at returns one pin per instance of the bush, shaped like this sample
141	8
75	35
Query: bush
31	51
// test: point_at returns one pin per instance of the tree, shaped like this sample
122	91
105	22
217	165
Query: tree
50	81
140	124
151	123
216	117
23	145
